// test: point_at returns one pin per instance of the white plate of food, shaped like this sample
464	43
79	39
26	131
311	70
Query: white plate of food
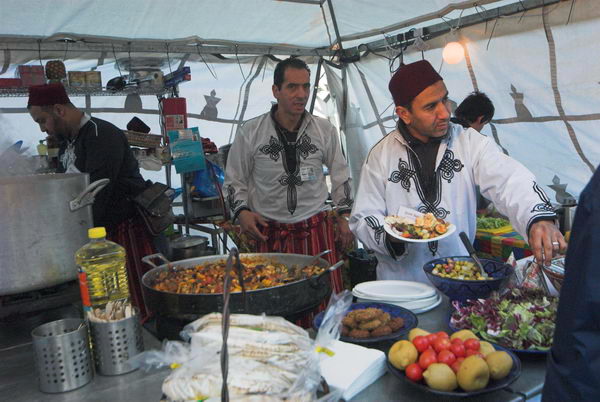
414	227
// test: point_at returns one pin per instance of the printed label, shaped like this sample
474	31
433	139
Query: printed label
307	173
85	293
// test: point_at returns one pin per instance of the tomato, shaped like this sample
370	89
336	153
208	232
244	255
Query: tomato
457	341
446	357
442	334
431	338
458	349
414	372
471	352
456	365
427	358
472	344
421	343
441	344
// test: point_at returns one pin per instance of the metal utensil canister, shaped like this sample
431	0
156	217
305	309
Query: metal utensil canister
62	355
114	343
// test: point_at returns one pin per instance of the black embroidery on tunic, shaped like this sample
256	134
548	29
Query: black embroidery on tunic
545	205
403	175
446	169
273	149
233	203
347	200
291	181
373	223
304	146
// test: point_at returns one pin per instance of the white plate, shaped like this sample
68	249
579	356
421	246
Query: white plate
409	304
392	232
393	290
416	308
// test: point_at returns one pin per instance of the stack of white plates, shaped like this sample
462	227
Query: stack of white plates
414	296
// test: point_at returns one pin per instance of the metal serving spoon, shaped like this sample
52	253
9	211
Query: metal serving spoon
465	240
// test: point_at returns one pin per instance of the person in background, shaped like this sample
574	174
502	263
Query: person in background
475	111
432	165
274	178
97	147
573	363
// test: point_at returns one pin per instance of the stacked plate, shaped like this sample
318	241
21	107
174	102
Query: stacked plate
414	296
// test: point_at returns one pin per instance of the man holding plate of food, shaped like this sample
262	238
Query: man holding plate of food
433	166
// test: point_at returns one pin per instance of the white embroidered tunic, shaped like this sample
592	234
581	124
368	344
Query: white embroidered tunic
465	159
258	177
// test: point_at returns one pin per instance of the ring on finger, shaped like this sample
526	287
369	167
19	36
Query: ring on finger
555	244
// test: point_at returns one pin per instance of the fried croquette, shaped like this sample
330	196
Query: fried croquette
359	333
370	325
381	331
349	321
345	331
396	323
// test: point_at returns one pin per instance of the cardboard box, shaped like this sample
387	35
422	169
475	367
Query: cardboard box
77	79
93	79
31	75
11	83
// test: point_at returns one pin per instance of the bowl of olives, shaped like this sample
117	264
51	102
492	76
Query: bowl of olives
459	277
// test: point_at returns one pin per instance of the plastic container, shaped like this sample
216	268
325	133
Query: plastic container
42	149
62	355
363	266
102	270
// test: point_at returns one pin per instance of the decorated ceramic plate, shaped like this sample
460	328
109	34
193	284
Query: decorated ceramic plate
411	216
493	385
410	322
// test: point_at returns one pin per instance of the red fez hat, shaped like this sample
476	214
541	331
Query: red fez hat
49	94
410	80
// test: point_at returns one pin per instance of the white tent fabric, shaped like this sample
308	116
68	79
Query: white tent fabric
538	70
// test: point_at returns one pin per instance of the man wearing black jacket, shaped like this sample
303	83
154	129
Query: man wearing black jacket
99	148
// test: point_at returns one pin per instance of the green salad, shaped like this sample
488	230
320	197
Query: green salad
520	319
487	222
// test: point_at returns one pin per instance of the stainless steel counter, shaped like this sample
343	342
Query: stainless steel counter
18	380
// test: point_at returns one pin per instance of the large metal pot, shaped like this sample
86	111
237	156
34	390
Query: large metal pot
284	300
44	220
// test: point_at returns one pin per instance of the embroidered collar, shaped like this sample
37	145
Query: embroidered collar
282	129
412	141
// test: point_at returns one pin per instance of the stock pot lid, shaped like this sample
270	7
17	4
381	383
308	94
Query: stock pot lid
189	241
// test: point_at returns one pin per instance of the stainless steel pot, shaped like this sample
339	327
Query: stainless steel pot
185	247
283	300
44	220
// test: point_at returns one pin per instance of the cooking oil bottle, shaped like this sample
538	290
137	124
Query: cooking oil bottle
102	271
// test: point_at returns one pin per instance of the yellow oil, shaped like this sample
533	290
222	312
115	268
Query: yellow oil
103	263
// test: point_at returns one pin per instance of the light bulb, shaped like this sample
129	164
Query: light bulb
453	53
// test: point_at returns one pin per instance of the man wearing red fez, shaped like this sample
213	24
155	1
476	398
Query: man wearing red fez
433	166
97	147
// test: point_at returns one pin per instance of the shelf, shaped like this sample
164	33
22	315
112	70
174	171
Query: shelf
16	92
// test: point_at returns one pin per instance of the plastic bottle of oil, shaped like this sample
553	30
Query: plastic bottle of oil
102	271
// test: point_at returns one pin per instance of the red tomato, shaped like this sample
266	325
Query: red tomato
446	357
456	365
458	349
414	372
472	344
471	352
427	358
421	343
432	338
441	344
442	334
457	341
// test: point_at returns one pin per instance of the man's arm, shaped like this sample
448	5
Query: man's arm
237	175
515	193
341	188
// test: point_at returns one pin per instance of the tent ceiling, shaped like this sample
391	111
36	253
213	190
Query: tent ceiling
297	26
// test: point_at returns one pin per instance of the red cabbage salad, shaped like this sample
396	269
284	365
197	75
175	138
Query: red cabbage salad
520	319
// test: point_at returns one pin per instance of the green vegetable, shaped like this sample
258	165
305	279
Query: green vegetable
486	222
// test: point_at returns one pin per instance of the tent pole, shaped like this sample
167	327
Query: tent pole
317	78
344	98
338	38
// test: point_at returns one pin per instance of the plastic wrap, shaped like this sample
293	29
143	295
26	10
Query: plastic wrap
269	358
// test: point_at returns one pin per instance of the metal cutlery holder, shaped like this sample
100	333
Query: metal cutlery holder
62	355
114	343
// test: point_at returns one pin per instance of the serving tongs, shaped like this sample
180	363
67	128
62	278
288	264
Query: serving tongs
467	243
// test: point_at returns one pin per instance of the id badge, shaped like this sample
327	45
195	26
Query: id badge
307	173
